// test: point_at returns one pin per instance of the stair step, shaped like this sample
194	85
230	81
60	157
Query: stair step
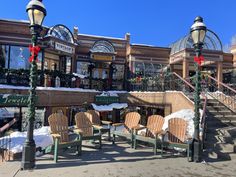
220	139
220	123
219	155
221	112
220	147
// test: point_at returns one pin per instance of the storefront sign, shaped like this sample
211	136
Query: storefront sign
64	48
13	100
102	57
106	99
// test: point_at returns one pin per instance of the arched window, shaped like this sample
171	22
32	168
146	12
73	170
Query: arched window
61	32
211	42
102	46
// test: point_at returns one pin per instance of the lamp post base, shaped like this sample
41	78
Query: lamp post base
197	151
28	156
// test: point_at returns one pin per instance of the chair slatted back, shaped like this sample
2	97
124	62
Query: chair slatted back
95	118
154	124
131	120
177	128
82	120
59	125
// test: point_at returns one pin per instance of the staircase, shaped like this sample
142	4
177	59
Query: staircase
220	143
220	122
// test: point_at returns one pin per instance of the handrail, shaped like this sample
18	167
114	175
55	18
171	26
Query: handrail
8	125
225	95
222	84
204	110
203	118
186	82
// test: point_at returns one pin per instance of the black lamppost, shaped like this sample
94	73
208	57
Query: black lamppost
36	12
198	32
91	66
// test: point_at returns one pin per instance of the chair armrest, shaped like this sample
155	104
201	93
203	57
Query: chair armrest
138	127
97	127
106	122
56	135
117	124
162	132
77	131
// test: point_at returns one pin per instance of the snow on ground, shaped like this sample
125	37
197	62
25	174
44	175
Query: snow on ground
42	139
109	107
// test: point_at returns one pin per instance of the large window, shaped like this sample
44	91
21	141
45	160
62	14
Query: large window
119	74
139	69
147	69
82	68
18	58
4	53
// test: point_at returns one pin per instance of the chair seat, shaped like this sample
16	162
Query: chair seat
122	133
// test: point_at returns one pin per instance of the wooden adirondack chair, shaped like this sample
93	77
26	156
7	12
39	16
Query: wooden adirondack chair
60	133
177	128
85	127
95	119
131	121
153	129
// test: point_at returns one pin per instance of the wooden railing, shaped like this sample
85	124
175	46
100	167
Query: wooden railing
222	92
5	142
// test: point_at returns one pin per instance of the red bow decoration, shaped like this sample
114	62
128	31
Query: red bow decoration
34	52
138	79
199	59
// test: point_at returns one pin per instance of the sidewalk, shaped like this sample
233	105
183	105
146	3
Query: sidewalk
119	161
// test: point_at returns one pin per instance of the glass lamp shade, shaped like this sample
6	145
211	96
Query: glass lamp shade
36	12
198	31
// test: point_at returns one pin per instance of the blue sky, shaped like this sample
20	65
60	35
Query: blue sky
154	22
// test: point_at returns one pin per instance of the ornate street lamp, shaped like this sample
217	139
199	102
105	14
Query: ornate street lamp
198	32
91	66
36	12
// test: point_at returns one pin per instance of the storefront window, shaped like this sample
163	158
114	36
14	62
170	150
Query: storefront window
68	65
119	72
19	57
157	68
82	68
4	51
149	69
139	69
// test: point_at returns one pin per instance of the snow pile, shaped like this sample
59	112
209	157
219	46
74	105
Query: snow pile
82	76
42	139
112	93
186	114
108	94
109	107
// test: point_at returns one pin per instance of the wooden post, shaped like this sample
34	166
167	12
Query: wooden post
185	68
219	73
